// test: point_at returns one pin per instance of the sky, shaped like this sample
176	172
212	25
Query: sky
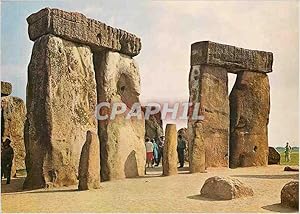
167	30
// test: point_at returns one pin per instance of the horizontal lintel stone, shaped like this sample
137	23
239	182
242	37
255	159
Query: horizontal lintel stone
78	28
232	58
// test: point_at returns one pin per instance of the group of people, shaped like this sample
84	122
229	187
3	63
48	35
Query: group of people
7	156
154	151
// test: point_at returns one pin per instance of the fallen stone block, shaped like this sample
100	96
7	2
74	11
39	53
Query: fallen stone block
290	195
274	156
225	188
291	168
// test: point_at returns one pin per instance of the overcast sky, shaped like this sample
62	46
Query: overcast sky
167	29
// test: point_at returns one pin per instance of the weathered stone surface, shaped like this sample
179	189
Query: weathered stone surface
61	100
122	140
225	188
6	88
184	133
249	117
291	168
232	58
89	165
153	126
76	27
170	153
290	194
197	149
274	156
13	114
208	86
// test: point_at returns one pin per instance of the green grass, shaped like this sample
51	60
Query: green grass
294	159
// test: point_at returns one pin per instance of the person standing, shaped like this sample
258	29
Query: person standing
149	152
287	152
161	144
7	156
181	146
155	152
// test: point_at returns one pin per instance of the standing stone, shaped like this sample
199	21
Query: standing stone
209	86
170	153
6	88
61	100
274	156
290	195
122	140
89	165
197	150
153	126
184	133
13	114
249	117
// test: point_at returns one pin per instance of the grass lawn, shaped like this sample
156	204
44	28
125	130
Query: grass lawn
294	158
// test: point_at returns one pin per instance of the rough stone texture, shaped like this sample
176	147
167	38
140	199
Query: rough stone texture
249	117
291	168
274	156
13	114
232	58
208	86
61	100
225	188
184	133
122	140
89	165
170	151
6	88
153	126
197	150
76	27
290	194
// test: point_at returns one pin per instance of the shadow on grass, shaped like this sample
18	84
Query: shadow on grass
279	208
289	176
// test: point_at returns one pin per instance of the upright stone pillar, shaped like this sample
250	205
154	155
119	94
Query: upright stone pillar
170	154
209	86
89	165
122	140
13	113
6	88
197	150
153	125
210	63
61	100
249	117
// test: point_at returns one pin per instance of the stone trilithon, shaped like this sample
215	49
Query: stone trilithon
234	128
77	62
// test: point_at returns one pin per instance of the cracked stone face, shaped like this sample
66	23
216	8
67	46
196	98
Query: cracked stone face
249	118
61	99
209	86
122	140
13	113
